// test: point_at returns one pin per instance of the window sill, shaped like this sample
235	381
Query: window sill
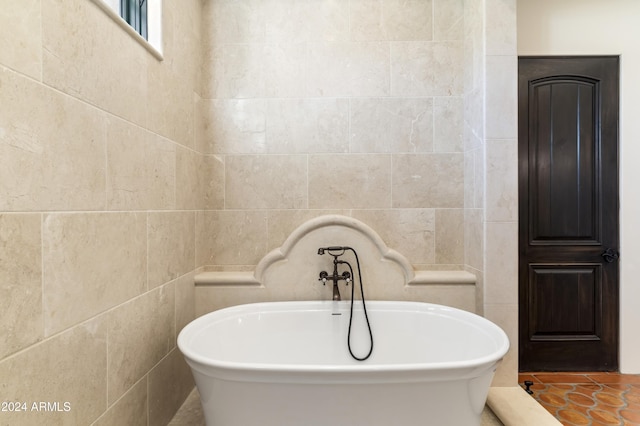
124	25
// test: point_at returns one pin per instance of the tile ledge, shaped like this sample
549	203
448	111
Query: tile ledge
442	277
514	407
221	278
218	278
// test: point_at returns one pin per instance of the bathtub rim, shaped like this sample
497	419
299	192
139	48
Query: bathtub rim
353	373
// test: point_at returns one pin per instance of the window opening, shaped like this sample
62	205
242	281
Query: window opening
135	13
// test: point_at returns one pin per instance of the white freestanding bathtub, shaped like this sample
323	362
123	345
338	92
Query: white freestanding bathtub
287	364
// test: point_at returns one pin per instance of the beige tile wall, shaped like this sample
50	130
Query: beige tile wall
100	181
374	109
490	167
501	179
349	106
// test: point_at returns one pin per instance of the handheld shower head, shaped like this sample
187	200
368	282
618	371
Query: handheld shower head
331	249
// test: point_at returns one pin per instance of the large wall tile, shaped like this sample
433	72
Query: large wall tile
450	236
235	126
284	70
141	333
426	68
234	71
70	367
303	21
92	262
21	37
93	66
141	168
170	382
391	125
170	104
428	180
201	124
402	20
448	18
349	181
266	182
229	21
474	238
474	178
412	232
52	149
171	242
185	301
214	182
502	180
191	179
182	44
502	95
448	123
348	69
307	125
501	27
230	237
130	410
501	268
20	282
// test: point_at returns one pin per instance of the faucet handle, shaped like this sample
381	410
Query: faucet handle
323	277
346	276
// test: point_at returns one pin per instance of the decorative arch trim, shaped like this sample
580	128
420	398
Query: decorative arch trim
281	253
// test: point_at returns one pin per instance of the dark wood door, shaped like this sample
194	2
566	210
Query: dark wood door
568	213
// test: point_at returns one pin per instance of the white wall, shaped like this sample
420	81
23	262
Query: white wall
594	27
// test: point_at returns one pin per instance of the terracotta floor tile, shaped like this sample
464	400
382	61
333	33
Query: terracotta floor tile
632	416
580	399
633	396
573	417
632	406
615	378
610	399
577	408
588	389
553	399
604	417
560	389
616	388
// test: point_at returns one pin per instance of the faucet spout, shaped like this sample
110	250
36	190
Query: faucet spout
336	292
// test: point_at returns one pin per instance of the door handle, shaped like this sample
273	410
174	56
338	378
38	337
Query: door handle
610	255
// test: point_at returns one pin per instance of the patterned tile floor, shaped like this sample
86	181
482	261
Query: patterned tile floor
591	399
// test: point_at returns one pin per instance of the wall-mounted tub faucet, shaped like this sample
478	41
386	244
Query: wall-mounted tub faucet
335	277
336	252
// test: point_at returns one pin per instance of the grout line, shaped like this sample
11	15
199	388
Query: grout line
42	278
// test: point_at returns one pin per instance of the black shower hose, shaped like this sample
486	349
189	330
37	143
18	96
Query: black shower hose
364	307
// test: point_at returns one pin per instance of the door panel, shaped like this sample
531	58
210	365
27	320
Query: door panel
568	191
550	286
563	181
